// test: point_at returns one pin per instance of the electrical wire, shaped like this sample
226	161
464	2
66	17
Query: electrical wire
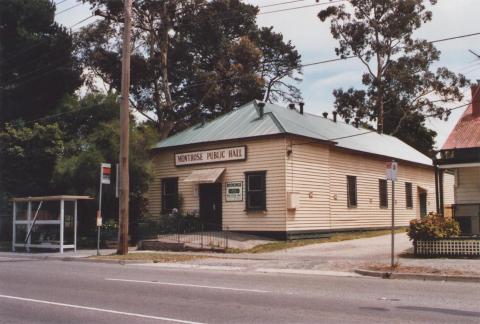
60	2
300	7
282	3
67	9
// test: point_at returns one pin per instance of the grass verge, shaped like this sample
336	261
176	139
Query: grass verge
337	237
149	256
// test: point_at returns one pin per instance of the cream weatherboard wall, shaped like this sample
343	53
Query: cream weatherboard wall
262	154
467	187
318	173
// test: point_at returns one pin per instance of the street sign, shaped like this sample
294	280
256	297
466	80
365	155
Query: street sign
392	168
106	172
99	219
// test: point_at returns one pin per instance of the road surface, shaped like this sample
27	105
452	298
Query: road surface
41	291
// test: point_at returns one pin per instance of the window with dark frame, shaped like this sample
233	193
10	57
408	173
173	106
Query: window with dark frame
408	195
256	193
351	191
169	194
383	193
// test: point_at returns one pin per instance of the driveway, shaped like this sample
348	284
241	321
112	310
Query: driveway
342	256
332	256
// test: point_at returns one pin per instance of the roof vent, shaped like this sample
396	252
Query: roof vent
357	121
301	104
334	116
347	120
291	106
261	109
325	114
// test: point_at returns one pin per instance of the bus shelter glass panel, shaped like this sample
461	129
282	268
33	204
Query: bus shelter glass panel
50	210
21	233
69	222
22	211
45	234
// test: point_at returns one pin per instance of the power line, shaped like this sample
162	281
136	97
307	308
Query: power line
67	9
60	2
453	37
281	3
300	7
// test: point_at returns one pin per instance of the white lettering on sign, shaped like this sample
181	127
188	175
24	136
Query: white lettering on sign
234	191
211	156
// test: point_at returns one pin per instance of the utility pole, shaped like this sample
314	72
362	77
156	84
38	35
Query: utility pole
124	131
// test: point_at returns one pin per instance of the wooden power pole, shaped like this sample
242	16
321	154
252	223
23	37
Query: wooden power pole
124	131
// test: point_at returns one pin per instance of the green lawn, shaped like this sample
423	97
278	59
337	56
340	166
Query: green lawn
281	245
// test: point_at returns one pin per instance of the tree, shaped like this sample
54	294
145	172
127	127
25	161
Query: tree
29	155
36	61
400	90
192	59
91	136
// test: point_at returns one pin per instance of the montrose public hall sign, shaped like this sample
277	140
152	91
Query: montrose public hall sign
211	156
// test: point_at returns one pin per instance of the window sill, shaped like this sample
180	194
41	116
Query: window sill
255	211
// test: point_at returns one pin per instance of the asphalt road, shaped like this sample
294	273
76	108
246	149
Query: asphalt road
34	291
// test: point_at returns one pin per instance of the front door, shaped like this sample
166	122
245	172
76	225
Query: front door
422	197
211	205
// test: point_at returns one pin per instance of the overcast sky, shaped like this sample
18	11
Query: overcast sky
315	43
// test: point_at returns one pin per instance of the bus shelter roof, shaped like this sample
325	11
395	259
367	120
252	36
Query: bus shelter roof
51	198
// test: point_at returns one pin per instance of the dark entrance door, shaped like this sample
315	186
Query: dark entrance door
422	197
211	205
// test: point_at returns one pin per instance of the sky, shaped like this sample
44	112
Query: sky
314	42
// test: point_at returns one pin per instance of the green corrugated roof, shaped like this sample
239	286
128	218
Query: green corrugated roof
244	122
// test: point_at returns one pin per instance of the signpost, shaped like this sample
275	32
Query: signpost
392	168
105	174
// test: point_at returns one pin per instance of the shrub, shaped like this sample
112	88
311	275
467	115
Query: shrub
433	226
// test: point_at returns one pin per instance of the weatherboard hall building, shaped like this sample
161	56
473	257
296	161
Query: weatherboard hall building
280	172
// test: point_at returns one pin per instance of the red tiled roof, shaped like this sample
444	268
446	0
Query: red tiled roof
466	133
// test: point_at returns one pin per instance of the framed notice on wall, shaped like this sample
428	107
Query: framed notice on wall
234	191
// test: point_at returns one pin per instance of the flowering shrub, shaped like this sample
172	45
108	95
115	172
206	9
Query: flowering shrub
433	226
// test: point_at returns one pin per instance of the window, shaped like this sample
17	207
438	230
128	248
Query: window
256	190
408	194
383	193
169	194
352	191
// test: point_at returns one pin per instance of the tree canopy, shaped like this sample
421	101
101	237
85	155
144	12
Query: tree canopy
192	58
400	90
37	63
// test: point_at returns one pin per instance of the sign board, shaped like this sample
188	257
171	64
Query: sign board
105	173
99	219
219	155
392	168
234	191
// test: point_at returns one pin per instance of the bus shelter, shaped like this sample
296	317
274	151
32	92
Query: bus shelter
48	222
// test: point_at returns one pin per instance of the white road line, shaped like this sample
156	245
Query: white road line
187	285
102	310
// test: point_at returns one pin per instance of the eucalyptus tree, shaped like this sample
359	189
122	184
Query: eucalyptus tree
192	58
400	87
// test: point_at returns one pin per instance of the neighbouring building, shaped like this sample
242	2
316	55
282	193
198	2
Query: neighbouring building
461	154
282	172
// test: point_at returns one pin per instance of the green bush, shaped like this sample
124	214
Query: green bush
433	227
